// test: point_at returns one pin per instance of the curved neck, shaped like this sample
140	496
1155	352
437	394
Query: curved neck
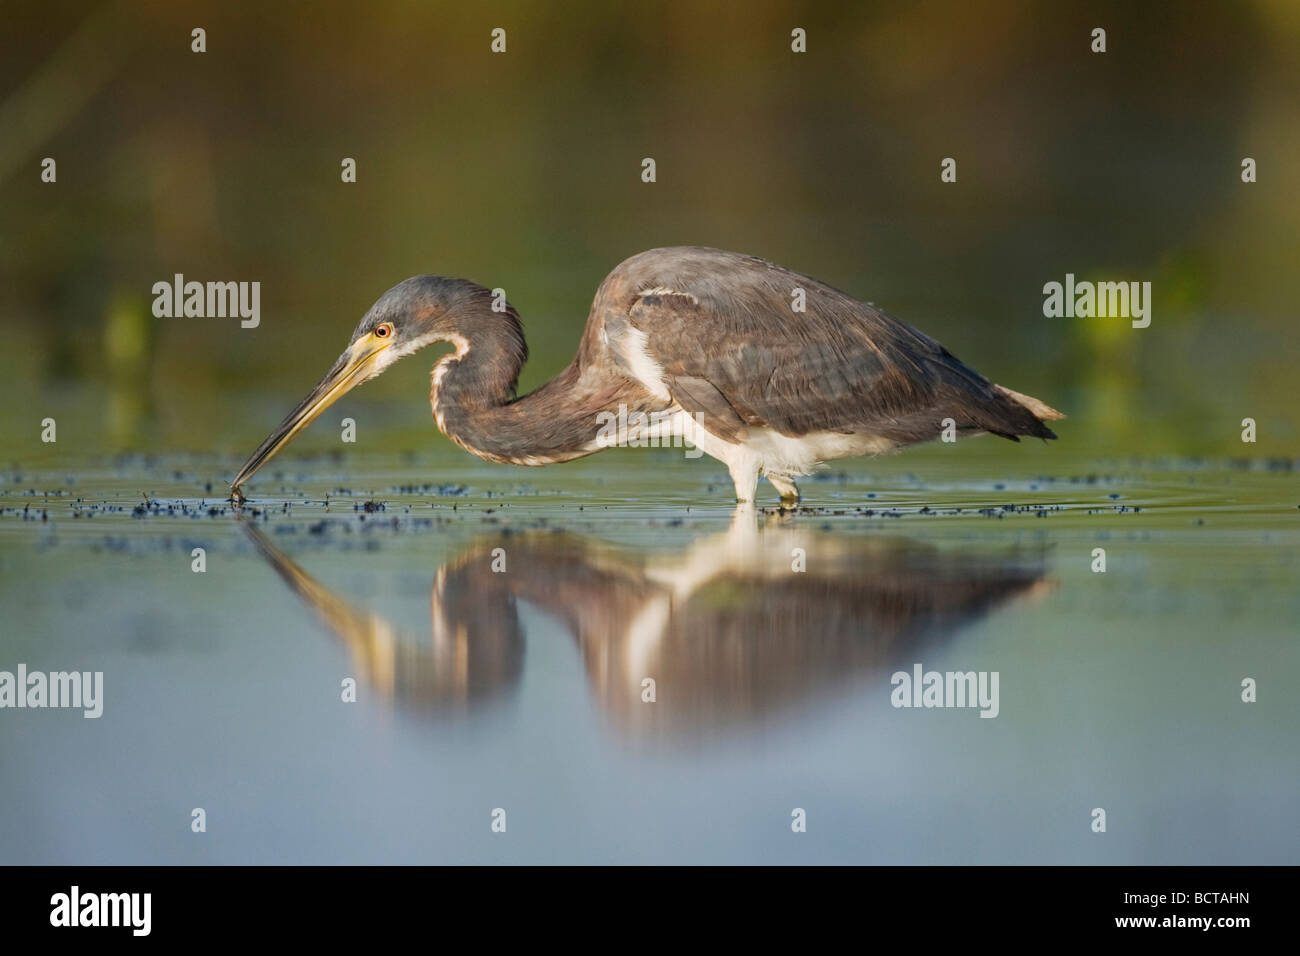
474	404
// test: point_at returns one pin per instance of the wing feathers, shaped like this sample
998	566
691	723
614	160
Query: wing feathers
733	349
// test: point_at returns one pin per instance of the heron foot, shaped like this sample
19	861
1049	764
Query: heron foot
787	489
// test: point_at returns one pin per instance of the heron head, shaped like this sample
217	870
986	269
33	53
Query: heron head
406	318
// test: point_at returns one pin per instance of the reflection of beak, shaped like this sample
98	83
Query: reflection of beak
338	381
372	643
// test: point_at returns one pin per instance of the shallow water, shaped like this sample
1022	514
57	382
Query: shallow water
522	689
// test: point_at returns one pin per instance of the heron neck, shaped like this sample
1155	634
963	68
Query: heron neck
474	403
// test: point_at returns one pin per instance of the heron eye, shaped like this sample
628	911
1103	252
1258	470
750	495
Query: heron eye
383	331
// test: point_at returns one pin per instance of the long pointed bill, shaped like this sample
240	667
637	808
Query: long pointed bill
348	372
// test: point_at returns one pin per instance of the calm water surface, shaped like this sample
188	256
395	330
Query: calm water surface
522	689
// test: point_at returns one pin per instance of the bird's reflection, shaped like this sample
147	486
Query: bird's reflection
738	626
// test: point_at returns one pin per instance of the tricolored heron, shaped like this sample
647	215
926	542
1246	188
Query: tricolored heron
684	343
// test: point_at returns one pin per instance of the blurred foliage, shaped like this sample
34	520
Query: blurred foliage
522	170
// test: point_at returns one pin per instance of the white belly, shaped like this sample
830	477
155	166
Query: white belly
790	457
764	452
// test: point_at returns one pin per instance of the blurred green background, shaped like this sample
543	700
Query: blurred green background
522	171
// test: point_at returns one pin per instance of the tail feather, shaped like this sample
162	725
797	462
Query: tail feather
1041	412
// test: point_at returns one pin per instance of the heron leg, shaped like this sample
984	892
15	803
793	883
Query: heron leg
744	472
788	490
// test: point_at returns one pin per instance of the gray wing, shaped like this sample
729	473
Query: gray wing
732	349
